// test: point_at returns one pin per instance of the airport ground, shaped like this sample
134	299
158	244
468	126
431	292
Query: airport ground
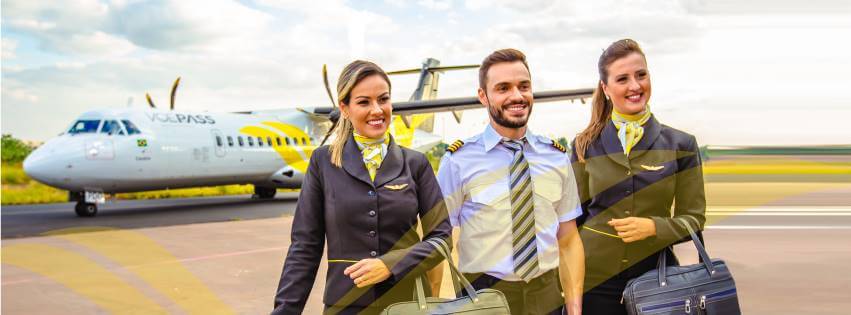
786	243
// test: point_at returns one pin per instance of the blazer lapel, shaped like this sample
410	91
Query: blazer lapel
652	128
392	164
353	161
612	145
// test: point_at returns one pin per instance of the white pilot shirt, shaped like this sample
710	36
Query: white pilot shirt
474	182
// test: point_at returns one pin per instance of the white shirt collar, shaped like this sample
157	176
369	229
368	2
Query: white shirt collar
491	138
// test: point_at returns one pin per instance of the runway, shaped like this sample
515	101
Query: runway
224	254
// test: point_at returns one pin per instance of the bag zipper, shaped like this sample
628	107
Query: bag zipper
717	295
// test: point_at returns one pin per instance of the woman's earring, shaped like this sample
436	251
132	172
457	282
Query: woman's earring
607	97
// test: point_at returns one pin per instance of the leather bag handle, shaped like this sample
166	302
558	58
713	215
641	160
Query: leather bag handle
701	251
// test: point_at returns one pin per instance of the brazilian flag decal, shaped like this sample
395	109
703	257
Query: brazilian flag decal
141	143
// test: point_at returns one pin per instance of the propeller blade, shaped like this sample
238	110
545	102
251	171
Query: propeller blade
327	86
174	90
150	102
334	116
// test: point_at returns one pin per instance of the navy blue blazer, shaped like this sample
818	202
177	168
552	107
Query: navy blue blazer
362	219
662	169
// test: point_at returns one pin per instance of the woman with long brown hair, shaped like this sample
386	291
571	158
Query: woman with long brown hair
364	194
630	169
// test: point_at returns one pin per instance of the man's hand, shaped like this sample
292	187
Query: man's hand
633	229
368	272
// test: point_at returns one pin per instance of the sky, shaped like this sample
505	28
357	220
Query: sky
730	72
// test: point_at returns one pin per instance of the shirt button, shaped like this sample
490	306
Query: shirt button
372	213
371	193
373	253
372	233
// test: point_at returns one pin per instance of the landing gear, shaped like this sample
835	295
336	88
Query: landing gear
86	209
264	192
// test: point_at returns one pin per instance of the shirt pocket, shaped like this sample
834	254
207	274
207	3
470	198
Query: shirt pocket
490	194
548	188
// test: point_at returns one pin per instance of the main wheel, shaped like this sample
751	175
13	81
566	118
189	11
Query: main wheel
264	192
85	209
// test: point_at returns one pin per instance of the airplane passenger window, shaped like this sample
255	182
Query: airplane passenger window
219	141
84	126
230	141
259	141
131	128
111	127
250	141
239	138
269	141
278	140
304	141
288	140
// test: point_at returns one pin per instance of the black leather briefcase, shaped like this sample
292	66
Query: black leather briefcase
703	288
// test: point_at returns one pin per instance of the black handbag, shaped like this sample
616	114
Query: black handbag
481	302
703	288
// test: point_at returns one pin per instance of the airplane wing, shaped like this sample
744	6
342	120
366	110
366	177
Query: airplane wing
463	103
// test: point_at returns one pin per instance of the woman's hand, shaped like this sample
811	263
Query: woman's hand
367	272
633	229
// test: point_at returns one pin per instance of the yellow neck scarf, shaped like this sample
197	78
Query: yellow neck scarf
373	151
630	128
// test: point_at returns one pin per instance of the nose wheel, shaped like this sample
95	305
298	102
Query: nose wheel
86	209
264	192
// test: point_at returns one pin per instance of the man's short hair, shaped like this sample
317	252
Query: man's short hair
502	55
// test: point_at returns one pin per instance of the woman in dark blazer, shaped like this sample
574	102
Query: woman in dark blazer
630	169
364	194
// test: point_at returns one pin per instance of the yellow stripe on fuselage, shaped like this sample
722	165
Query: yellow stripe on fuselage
296	156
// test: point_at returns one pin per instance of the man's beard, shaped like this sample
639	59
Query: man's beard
498	115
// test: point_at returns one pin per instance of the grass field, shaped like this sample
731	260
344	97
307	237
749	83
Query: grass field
17	188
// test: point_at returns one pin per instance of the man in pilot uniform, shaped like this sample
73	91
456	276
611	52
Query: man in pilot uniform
513	197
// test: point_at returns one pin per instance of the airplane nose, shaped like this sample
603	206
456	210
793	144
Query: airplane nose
36	165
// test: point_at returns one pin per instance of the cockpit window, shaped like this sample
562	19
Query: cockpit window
131	128
84	126
111	127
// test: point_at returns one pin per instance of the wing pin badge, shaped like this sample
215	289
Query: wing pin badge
652	168
396	187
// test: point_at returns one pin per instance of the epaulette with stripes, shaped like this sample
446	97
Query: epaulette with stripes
558	146
455	146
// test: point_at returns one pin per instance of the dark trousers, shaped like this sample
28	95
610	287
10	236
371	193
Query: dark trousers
606	297
541	296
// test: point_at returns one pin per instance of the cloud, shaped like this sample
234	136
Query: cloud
9	47
175	25
437	5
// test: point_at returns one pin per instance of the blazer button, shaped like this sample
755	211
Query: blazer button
372	213
373	253
372	233
628	192
371	193
627	212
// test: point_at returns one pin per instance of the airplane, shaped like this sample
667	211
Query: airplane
108	151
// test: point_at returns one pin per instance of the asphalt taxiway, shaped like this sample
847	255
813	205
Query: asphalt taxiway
787	245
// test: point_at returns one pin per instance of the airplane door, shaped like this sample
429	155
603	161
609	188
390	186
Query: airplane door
218	143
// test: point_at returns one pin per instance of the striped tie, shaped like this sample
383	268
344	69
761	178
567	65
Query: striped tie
522	216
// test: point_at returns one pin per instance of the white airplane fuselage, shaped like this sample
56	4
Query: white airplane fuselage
178	149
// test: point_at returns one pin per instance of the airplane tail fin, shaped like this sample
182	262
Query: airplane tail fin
405	128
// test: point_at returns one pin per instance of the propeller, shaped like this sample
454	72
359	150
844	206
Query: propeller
173	93
150	102
335	114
